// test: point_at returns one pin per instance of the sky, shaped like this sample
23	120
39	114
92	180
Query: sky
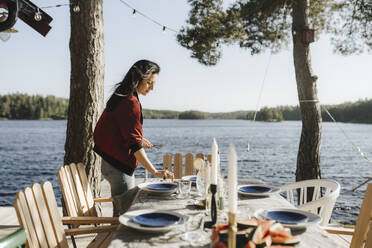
33	64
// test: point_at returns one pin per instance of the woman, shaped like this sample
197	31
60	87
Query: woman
118	134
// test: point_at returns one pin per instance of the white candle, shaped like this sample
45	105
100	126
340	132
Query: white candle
232	181
214	162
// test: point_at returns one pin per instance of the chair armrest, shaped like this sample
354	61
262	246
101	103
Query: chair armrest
338	230
87	230
89	220
103	200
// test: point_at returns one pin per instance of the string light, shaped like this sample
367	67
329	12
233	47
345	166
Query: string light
37	15
76	8
164	27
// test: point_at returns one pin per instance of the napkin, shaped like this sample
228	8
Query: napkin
124	201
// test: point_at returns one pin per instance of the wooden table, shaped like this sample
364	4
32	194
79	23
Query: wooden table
126	237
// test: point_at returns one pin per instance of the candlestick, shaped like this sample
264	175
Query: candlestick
214	162
214	204
232	180
231	242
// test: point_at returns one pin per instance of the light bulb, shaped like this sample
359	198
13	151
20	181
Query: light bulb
38	16
4	36
191	43
76	8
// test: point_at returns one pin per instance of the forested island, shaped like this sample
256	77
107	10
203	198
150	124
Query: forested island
35	107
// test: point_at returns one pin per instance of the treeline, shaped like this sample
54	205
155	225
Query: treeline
35	107
194	115
357	112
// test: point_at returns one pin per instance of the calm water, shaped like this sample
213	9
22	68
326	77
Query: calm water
32	151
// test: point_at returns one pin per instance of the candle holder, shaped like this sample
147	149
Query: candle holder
232	231
210	224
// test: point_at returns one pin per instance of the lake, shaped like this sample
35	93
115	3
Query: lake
32	151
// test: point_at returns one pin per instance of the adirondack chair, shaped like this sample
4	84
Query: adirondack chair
76	191
178	168
37	212
321	204
362	234
14	240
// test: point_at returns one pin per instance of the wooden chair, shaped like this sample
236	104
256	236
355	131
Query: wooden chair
76	191
178	165
324	198
14	240
362	234
37	212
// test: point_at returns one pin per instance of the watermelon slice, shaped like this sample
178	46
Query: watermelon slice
278	230
290	241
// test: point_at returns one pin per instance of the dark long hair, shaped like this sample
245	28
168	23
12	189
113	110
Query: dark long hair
140	70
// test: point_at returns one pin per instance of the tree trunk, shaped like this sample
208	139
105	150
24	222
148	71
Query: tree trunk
86	87
308	158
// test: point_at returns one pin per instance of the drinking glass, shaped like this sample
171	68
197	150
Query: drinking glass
184	188
200	183
194	233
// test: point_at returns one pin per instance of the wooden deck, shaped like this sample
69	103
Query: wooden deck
9	222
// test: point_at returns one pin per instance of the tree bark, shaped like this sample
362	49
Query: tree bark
86	87
308	158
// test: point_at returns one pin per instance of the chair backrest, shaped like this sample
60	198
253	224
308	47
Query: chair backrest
178	164
37	212
15	239
363	228
76	191
322	202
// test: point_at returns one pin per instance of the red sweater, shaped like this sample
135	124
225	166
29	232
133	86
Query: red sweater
118	134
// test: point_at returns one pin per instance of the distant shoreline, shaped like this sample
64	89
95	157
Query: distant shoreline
35	107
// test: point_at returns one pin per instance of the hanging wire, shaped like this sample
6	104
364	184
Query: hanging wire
353	144
265	74
268	64
76	3
262	87
136	11
56	6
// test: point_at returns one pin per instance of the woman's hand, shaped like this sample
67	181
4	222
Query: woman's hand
146	143
164	174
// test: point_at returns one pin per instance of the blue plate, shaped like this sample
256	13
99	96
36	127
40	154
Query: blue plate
255	189
162	186
193	179
156	219
286	217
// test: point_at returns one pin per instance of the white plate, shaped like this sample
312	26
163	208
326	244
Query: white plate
127	220
274	190
312	218
143	186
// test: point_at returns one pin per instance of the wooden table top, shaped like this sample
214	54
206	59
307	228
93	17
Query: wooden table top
313	237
